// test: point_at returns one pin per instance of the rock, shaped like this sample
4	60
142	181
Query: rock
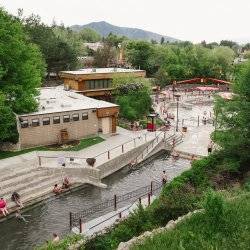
171	225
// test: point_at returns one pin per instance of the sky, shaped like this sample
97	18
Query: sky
193	20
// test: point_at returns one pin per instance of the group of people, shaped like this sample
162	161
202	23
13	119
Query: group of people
66	185
15	197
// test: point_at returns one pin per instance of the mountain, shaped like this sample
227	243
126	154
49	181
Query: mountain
104	28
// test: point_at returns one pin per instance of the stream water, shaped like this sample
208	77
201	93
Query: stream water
53	215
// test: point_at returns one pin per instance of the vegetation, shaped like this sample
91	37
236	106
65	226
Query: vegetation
185	193
224	225
58	45
84	143
104	29
133	96
21	71
62	244
169	62
90	35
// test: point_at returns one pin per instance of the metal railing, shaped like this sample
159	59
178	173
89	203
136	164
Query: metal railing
112	204
106	155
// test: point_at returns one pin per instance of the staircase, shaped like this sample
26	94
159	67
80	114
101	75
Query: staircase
160	142
30	183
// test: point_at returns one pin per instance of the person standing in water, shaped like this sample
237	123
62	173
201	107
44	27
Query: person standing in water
164	177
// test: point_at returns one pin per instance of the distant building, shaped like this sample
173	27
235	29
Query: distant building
65	116
94	46
95	83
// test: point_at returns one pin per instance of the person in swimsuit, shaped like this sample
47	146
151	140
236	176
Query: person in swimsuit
16	198
66	184
21	217
3	207
164	177
56	189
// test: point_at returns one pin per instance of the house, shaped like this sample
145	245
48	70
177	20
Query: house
65	116
95	83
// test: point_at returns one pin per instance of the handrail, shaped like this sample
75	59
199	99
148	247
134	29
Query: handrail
103	153
75	217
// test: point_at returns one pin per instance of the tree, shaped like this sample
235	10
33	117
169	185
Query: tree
105	56
89	35
21	72
162	40
59	54
233	119
139	54
114	40
133	96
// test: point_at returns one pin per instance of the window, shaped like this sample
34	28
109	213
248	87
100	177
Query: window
85	116
35	122
56	119
75	117
24	123
66	118
46	121
105	84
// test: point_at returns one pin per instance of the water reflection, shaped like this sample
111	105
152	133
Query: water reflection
53	216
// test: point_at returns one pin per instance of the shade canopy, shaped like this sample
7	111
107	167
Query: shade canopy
206	88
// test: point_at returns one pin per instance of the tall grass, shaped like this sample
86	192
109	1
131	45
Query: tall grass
223	225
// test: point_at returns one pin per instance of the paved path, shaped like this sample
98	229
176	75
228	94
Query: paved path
196	139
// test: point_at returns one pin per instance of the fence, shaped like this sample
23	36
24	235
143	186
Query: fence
106	155
77	218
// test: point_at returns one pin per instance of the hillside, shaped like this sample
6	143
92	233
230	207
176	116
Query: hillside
105	28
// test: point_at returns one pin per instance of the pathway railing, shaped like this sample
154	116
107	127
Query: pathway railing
77	218
108	154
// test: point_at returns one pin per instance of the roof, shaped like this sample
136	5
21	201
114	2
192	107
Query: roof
100	71
56	99
207	88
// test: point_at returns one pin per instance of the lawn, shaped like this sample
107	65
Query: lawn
223	225
84	143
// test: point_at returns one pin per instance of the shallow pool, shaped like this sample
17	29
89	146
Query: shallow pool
53	216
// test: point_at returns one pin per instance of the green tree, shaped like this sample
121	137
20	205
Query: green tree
233	119
114	40
162	40
89	35
139	54
133	96
21	71
59	54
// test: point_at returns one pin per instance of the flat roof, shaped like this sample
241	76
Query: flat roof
56	99
88	71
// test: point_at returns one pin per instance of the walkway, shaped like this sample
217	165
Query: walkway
197	137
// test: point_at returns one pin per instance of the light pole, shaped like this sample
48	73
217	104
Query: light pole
177	116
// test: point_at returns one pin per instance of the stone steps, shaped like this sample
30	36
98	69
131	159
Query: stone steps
35	191
13	173
24	177
19	184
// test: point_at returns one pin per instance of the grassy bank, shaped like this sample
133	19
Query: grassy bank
84	143
223	225
185	193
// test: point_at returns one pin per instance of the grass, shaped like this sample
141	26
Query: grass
62	244
84	143
223	225
181	195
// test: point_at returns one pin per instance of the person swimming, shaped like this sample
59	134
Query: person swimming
21	217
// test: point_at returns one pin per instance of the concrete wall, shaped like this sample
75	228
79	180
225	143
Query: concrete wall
117	163
50	134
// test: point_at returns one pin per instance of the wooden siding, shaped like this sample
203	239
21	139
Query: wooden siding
105	112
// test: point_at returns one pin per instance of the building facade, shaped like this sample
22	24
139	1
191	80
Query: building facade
95	83
65	116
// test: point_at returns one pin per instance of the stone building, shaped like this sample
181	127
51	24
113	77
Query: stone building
65	116
95	83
